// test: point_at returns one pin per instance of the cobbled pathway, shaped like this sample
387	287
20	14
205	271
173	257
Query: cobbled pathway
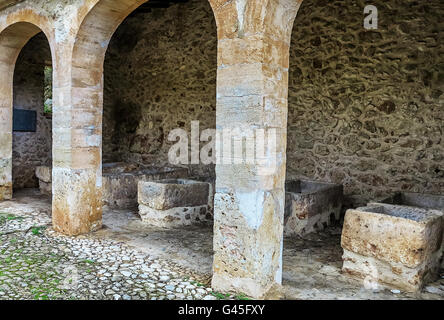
37	263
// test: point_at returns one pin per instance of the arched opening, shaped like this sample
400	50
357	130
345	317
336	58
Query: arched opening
25	126
32	117
159	75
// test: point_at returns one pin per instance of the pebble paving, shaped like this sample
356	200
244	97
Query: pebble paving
37	263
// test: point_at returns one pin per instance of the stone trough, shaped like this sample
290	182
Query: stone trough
394	245
174	202
311	206
44	174
420	200
119	181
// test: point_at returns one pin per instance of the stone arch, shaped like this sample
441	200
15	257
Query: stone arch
13	38
79	209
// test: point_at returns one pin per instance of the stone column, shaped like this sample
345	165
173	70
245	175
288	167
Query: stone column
77	122
252	90
77	145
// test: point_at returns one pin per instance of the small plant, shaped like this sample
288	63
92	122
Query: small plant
197	284
89	261
242	296
219	295
37	230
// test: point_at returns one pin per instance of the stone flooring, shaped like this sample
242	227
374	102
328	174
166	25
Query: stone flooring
129	260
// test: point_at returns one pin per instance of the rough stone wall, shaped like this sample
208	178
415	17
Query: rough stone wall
31	149
366	107
160	74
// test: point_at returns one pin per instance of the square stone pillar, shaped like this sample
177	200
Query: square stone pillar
252	90
77	159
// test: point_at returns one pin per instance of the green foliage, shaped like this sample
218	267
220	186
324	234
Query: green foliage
37	230
4	217
219	295
47	96
242	296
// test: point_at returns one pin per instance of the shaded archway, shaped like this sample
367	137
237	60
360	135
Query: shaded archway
252	87
12	39
80	211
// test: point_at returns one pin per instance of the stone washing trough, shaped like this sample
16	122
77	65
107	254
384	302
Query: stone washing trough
398	246
418	200
173	202
119	181
311	205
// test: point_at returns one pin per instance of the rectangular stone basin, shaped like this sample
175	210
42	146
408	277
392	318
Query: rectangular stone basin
44	174
173	202
311	206
393	245
211	192
119	184
420	200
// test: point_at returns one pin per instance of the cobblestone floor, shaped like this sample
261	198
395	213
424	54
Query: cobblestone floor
129	260
37	263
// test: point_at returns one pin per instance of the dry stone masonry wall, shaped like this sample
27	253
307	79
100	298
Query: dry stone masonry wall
366	107
160	74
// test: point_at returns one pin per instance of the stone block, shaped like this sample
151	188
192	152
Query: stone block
211	192
173	202
310	205
419	200
120	182
120	179
393	245
44	173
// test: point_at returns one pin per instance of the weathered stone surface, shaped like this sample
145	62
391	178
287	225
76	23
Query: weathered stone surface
311	206
120	183
173	203
211	191
420	200
174	217
172	193
44	173
371	116
395	245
